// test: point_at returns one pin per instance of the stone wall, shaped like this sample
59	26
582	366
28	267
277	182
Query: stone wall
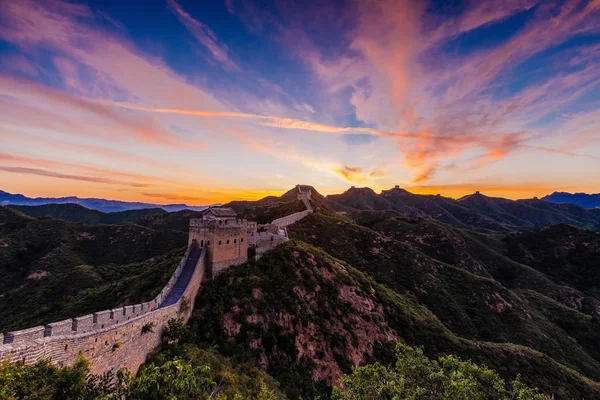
265	241
286	221
109	339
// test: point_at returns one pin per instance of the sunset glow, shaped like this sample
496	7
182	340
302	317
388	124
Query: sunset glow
175	101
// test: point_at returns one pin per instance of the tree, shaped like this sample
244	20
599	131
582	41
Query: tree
416	377
171	381
176	330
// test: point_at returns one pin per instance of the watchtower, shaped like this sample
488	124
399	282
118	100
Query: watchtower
223	235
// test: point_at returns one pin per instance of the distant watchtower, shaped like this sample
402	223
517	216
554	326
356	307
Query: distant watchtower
304	196
223	235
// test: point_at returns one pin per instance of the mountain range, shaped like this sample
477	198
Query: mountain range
91	203
512	285
581	199
475	211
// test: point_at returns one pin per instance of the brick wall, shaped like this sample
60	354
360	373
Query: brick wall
109	339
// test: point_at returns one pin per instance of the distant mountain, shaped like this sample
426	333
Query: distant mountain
103	205
580	199
475	211
154	218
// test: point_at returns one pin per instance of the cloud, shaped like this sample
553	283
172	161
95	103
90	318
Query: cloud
377	173
144	129
398	78
52	174
352	174
204	35
100	173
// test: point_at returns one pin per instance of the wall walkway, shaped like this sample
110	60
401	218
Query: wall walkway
111	339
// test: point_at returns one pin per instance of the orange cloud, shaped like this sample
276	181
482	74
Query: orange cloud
352	174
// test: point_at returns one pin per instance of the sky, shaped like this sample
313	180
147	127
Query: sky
184	101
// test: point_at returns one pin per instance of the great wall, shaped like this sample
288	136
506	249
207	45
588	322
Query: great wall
123	337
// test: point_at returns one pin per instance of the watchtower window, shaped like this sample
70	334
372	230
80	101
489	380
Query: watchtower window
242	240
234	240
202	243
208	242
219	242
227	241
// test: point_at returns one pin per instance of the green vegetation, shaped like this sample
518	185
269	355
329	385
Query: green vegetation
76	213
173	373
155	218
489	313
53	269
463	278
264	214
414	376
476	211
307	318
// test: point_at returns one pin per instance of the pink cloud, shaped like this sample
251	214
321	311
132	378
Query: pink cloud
143	128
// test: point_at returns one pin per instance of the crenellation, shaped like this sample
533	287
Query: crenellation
223	239
83	324
117	315
128	312
60	328
104	319
37	332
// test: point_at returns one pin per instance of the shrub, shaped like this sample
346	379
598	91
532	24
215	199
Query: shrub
414	376
175	330
149	327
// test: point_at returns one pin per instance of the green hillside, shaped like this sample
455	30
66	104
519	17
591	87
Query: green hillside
76	213
307	318
344	291
476	211
52	269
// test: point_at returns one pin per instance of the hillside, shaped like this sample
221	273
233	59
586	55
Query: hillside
307	318
344	290
270	208
155	218
468	283
476	211
52	269
77	213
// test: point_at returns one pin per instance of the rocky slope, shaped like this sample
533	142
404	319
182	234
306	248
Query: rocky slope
307	318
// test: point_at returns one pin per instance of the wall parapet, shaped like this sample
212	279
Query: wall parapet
62	341
286	221
218	223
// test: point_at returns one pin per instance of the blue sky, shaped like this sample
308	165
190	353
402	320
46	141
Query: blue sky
191	101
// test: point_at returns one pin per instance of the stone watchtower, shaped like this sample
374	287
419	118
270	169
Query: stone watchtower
304	196
223	235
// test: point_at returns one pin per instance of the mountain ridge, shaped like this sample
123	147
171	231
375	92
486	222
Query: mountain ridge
584	200
104	205
474	211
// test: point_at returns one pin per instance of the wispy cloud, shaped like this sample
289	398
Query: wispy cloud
204	35
53	174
